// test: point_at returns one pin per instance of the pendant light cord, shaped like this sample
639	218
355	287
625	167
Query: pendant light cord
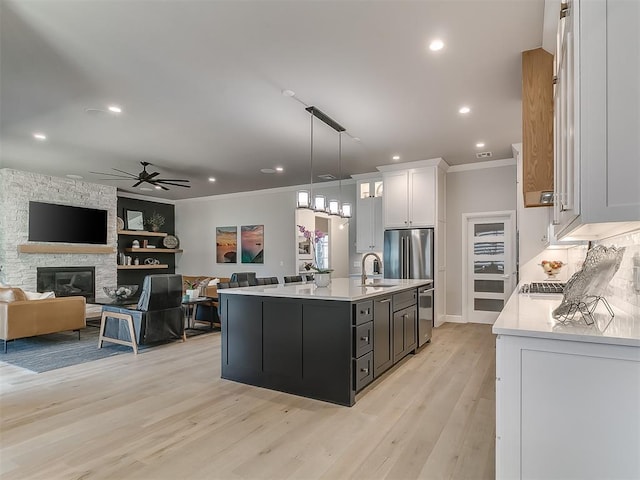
340	170
311	172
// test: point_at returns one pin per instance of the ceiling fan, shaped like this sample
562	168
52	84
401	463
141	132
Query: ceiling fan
145	177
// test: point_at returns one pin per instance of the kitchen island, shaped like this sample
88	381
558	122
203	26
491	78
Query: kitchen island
323	343
567	395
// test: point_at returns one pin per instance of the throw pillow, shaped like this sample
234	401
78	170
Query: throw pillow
11	294
39	295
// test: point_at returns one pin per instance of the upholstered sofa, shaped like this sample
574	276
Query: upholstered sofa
21	318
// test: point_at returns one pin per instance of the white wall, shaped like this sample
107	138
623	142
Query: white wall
197	219
472	191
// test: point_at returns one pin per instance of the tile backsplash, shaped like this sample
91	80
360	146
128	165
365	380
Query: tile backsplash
623	292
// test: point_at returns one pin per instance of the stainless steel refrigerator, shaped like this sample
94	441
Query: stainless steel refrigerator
409	254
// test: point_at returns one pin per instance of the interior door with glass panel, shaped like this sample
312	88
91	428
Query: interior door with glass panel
490	266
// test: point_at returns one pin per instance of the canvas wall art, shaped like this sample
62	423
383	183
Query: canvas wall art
226	244
252	237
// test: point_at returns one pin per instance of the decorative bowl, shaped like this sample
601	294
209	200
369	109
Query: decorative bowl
551	268
121	292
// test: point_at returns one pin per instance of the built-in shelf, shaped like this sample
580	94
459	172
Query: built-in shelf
47	248
152	250
142	233
142	267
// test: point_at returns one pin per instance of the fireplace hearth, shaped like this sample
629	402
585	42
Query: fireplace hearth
67	281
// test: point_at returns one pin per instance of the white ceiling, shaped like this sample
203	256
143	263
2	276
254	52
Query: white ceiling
200	84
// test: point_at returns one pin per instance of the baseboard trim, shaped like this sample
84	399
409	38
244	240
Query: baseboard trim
453	319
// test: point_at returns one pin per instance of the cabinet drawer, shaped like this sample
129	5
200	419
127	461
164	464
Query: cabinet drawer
404	299
363	339
363	371
364	312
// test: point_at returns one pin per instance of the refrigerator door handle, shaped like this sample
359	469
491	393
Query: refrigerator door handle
401	257
407	259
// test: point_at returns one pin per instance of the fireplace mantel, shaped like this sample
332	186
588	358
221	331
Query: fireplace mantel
49	248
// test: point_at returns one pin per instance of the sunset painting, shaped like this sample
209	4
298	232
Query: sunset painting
252	237
226	244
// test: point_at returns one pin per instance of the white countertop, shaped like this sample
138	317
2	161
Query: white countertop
529	315
343	289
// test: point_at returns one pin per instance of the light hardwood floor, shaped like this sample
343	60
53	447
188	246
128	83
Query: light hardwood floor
167	414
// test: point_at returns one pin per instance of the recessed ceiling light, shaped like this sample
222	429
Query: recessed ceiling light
288	93
115	109
279	169
436	45
39	136
74	176
267	170
464	109
146	189
158	187
396	157
212	179
480	144
356	139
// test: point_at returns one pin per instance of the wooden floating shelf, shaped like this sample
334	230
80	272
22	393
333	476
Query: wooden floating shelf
142	267
46	248
142	233
156	250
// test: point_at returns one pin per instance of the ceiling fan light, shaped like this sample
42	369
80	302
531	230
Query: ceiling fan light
346	210
334	207
302	199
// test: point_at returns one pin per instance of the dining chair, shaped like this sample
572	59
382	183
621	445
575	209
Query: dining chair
293	279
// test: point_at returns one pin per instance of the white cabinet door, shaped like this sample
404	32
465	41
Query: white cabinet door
395	200
597	120
369	226
364	227
572	404
422	204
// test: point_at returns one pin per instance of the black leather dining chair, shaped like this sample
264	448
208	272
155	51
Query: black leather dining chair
249	277
293	279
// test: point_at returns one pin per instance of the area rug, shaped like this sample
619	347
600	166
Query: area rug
57	350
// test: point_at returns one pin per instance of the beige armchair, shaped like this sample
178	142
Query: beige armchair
21	318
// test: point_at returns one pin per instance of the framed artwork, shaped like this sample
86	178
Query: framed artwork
134	219
252	237
226	244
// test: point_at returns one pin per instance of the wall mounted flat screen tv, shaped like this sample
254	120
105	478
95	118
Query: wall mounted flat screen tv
49	222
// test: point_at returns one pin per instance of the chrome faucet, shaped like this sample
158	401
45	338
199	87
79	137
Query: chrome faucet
364	257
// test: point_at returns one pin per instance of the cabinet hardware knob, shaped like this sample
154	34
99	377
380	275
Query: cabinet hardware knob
364	370
364	339
386	300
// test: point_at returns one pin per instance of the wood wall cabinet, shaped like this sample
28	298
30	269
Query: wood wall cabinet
537	126
369	228
596	99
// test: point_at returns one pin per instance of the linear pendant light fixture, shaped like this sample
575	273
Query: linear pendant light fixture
305	198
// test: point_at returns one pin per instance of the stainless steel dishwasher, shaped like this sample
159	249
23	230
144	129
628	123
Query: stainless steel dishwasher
425	314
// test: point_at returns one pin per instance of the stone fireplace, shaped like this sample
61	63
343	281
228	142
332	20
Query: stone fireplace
67	281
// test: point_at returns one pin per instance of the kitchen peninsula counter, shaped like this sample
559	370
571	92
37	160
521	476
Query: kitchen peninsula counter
325	343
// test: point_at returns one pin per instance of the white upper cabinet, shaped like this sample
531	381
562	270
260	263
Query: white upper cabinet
410	198
369	229
597	120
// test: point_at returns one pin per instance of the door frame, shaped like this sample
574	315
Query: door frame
465	247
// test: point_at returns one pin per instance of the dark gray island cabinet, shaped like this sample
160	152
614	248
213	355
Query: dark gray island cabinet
323	343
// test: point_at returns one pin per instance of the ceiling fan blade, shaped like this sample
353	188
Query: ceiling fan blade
137	183
151	175
171	180
113	174
160	182
163	187
122	171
